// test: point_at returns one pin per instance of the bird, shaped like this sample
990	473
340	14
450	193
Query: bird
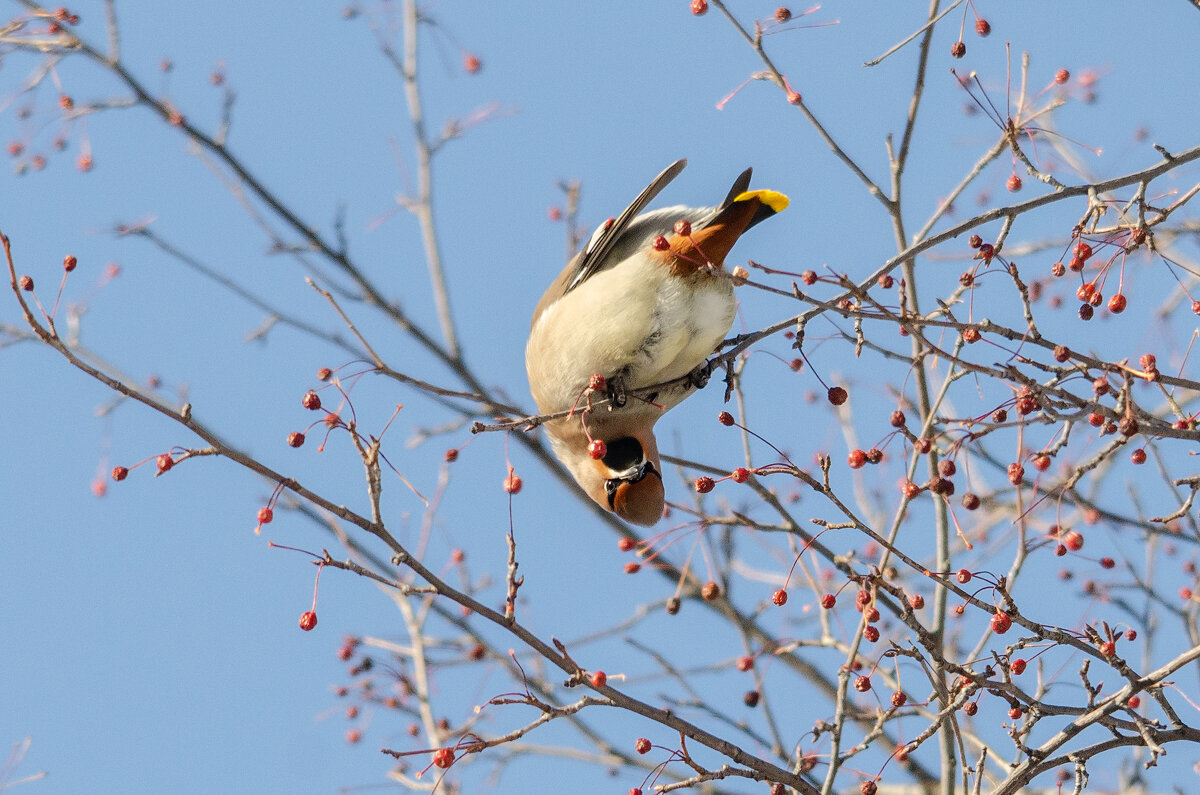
645	302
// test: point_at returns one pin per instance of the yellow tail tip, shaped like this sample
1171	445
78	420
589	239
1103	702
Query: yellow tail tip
771	198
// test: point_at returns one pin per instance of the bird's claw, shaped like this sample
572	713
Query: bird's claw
616	391
700	376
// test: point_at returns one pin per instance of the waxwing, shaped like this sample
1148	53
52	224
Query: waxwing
645	302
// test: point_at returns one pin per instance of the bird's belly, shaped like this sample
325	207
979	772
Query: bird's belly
687	325
644	326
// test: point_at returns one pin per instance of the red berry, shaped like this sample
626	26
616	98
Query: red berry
963	576
513	483
626	544
899	699
1062	76
1017	666
295	439
1041	462
164	462
1086	312
886	281
740	475
780	598
1073	540
704	484
308	621
443	757
862	684
958	49
710	591
1013	184
597	449
947	467
599	679
632	567
1015	713
120	473
1058	269
324	374
897	419
809	278
725	418
857	459
917	601
745	663
1016	473
1001	623
1117	304
1061	353
699	7
353	735
69	263
683	227
971	335
642	745
1134	702
660	244
837	395
871	633
970	501
982	27
265	515
1107	563
472	64
311	400
782	15
751	698
25	283
1083	250
828	601
1131	634
1138	456
970	708
909	489
874	455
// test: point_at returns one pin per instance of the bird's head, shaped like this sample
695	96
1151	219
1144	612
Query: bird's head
631	479
626	479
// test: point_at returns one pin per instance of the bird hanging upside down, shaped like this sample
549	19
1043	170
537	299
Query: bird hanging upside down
645	302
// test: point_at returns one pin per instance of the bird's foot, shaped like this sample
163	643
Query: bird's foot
615	388
699	377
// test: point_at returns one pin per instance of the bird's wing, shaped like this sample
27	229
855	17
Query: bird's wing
592	258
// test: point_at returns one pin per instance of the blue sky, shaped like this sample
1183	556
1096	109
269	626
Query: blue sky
149	637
